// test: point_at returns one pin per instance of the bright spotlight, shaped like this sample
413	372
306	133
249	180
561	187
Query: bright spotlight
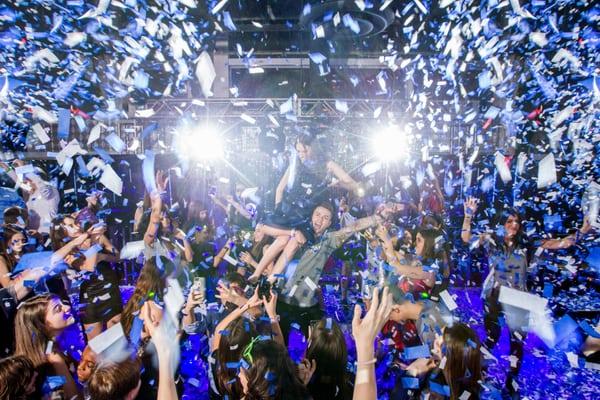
200	143
390	144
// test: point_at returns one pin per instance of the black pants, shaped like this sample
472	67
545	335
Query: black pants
493	312
302	316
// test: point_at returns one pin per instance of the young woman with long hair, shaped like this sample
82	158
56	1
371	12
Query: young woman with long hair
509	253
12	248
327	350
38	323
272	374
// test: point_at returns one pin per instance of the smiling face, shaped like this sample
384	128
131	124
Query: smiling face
512	226
16	243
71	227
321	220
304	151
58	316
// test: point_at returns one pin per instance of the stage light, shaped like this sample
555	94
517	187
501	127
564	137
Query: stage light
390	144
202	142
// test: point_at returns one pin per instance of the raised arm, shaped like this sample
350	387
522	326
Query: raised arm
567	241
345	180
155	215
281	187
356	226
238	207
365	331
232	316
470	204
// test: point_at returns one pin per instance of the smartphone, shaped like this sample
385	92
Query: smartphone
199	288
264	288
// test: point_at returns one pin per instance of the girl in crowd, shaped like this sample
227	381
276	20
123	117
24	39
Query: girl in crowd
260	244
12	247
509	254
272	374
460	349
417	276
303	186
161	237
327	356
92	254
39	322
149	294
17	378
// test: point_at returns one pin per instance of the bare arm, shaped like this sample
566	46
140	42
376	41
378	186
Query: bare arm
470	209
281	187
357	226
365	331
60	368
151	231
345	179
232	316
239	208
5	280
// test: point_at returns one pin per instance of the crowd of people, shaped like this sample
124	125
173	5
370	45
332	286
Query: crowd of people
249	284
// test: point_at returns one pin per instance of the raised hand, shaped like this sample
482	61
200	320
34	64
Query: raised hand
366	329
271	305
162	180
382	233
306	369
471	204
245	257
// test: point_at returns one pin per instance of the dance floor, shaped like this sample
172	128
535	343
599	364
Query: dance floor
546	373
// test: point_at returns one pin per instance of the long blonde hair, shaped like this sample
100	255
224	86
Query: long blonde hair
31	334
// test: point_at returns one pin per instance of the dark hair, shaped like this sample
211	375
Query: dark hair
234	277
327	347
151	281
520	238
308	139
12	215
58	233
273	374
114	381
429	236
16	373
231	346
329	207
8	231
257	248
463	360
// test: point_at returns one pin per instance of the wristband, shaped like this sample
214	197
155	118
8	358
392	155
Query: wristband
366	363
275	320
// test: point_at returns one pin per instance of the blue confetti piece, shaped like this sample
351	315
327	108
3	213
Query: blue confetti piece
53	382
233	365
410	383
589	330
412	353
548	290
135	335
444	390
64	123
